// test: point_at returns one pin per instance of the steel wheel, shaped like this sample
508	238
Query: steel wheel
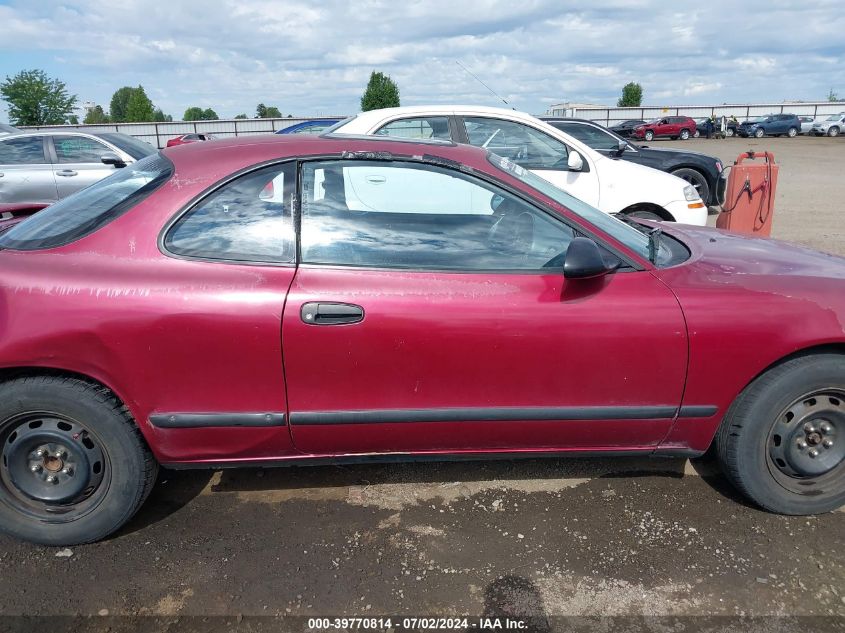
52	468
806	446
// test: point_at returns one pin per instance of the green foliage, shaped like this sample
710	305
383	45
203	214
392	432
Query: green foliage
267	112
381	92
161	117
195	113
119	101
241	116
95	116
632	96
36	99
832	96
139	108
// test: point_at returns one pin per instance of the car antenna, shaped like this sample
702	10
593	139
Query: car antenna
471	74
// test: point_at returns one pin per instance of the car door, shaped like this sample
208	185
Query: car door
77	162
435	323
535	150
26	174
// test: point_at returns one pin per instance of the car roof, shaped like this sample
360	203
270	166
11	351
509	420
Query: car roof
374	116
232	154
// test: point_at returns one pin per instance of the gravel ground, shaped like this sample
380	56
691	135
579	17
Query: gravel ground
541	538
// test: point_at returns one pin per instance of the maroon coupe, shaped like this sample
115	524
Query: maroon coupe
279	299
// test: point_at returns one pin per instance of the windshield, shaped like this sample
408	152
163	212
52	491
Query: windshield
834	117
89	209
131	145
756	119
633	238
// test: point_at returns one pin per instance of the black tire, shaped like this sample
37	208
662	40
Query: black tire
759	133
645	215
729	132
765	444
649	135
833	131
684	134
697	180
792	132
101	468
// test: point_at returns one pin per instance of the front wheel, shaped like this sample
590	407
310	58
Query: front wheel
696	179
74	466
649	135
730	132
792	132
833	131
759	133
684	134
782	443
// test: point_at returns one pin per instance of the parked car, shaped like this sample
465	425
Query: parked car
625	128
806	124
681	127
701	126
831	126
8	129
700	170
314	126
771	125
611	185
188	138
42	167
398	316
12	213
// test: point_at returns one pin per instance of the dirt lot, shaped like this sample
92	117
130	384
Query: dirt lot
540	538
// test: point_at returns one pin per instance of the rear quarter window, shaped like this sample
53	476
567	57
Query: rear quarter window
90	209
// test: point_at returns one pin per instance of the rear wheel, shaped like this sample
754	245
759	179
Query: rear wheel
684	134
833	131
74	467
782	442
649	135
792	132
696	179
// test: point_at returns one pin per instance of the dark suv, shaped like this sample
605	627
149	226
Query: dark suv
771	125
700	170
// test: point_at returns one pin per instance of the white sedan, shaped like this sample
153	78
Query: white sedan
612	185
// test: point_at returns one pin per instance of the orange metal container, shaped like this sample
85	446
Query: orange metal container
750	194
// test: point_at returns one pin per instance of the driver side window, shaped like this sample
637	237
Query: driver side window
421	217
520	143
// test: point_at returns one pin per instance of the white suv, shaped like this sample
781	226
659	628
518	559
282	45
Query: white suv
831	126
610	185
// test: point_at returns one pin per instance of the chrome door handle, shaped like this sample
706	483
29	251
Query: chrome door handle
66	172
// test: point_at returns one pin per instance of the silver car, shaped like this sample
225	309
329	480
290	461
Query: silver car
48	166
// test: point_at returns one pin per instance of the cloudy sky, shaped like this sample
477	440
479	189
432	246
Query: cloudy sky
311	58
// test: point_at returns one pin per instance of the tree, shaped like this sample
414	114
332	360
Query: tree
632	96
161	117
241	116
36	99
832	96
119	101
195	113
267	112
95	116
139	108
381	92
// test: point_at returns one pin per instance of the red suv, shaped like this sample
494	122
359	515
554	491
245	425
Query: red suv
681	127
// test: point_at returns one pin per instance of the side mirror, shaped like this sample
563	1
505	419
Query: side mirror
110	158
575	162
583	260
621	147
